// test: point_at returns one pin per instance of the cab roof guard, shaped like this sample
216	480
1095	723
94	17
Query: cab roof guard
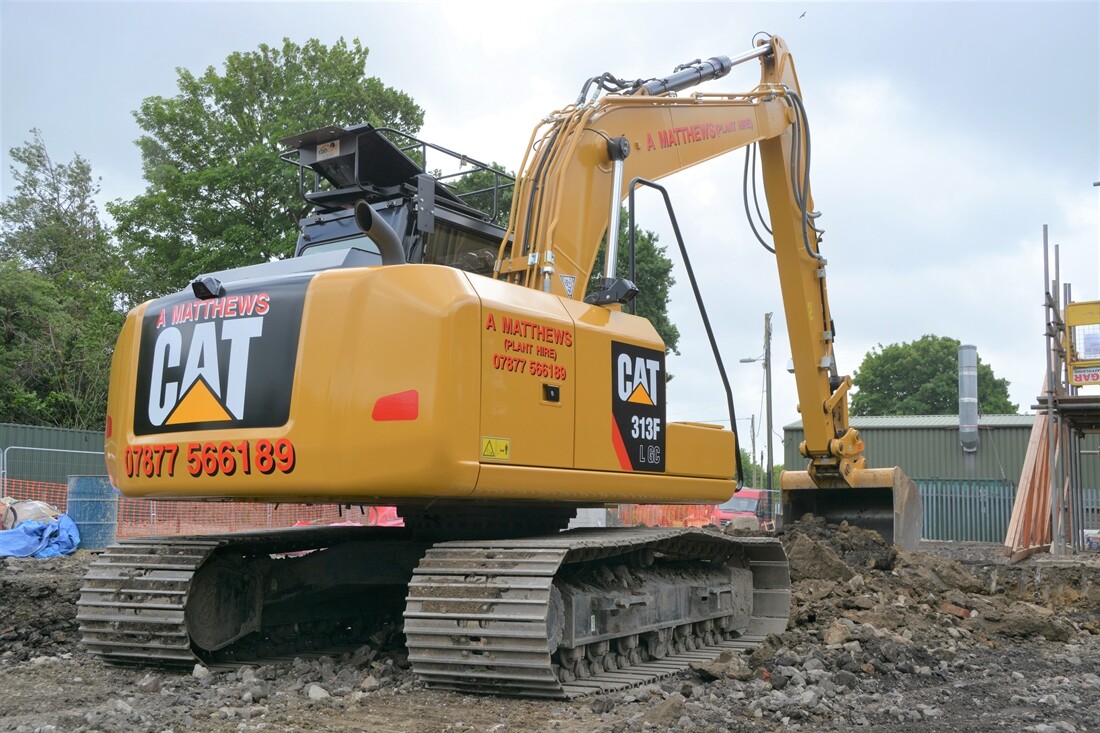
379	164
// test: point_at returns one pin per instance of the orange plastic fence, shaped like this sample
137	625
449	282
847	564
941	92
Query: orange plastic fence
661	515
141	517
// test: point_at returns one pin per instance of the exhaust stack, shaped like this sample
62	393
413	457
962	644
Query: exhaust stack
381	233
968	398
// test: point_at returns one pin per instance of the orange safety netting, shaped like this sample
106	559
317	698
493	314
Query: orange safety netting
664	515
140	517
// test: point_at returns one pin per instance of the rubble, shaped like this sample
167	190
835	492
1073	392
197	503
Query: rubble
949	637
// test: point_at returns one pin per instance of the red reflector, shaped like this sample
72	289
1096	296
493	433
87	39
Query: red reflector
107	431
398	406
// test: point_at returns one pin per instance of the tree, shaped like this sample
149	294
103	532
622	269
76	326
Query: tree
218	196
51	223
921	378
58	314
654	279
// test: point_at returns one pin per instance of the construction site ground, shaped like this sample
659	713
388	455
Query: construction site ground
948	638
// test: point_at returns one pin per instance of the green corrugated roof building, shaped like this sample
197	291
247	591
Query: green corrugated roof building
927	446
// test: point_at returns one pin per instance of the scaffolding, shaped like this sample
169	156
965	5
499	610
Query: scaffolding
1064	416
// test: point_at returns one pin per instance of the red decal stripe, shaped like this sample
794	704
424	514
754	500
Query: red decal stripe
620	447
399	406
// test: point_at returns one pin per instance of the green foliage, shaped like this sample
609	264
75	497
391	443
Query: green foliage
218	196
50	223
753	473
922	378
654	279
58	316
756	474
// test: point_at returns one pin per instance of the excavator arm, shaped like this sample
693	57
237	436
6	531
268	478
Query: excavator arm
568	198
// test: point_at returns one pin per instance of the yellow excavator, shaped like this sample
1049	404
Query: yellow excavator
415	353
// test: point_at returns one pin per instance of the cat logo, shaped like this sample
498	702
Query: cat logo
201	384
637	379
638	407
221	362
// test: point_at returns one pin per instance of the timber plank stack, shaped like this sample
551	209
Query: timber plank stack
1029	528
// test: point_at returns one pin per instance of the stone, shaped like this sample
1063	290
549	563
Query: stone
728	665
953	610
316	692
837	634
666	711
845	679
200	672
370	683
148	683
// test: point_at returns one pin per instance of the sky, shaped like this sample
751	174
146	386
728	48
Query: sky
945	136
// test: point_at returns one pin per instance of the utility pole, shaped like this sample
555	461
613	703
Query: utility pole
768	389
752	434
767	358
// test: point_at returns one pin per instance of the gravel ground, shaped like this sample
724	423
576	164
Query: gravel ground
947	638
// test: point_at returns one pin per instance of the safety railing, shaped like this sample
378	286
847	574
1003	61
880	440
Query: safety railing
966	510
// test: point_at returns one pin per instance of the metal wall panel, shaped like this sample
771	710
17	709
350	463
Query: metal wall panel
34	453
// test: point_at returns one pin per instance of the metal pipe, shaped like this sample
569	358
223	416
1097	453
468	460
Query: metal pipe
1049	377
1074	497
1054	433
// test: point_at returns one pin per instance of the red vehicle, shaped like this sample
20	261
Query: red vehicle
745	509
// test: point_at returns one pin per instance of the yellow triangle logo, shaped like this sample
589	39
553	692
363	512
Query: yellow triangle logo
640	397
198	405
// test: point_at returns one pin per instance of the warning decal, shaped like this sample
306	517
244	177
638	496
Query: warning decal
495	449
568	282
638	407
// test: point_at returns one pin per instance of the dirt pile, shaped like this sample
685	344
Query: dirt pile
39	606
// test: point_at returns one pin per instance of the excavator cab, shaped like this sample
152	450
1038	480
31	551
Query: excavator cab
388	171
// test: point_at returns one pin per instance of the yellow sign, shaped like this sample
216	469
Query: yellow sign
495	449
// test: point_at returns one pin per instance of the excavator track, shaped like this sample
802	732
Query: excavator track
133	607
484	616
488	617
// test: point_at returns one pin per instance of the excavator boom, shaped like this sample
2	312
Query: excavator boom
569	195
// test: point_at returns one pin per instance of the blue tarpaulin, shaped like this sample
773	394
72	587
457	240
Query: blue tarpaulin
40	538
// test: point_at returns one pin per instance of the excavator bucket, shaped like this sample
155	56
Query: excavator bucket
882	499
